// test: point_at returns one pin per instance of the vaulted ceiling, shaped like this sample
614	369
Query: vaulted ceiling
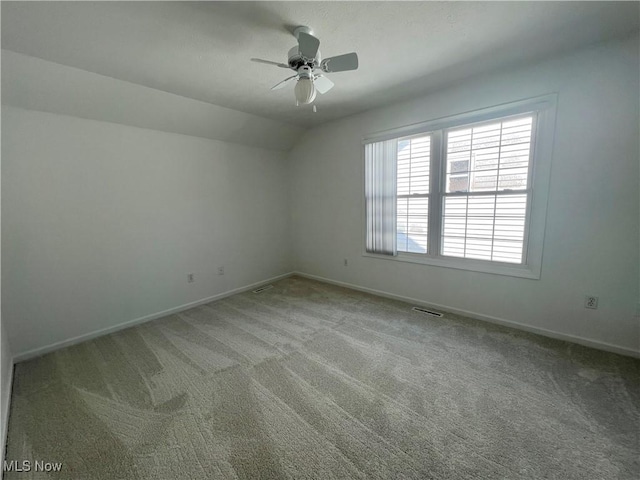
202	50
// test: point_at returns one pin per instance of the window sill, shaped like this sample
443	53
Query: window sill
494	268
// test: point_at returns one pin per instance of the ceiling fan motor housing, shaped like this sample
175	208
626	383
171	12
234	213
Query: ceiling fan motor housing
296	61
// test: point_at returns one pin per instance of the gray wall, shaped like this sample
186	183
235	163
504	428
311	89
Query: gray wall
102	223
592	228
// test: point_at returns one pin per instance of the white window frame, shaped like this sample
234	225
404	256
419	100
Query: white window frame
544	110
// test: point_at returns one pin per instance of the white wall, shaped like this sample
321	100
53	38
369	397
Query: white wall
6	376
592	232
102	222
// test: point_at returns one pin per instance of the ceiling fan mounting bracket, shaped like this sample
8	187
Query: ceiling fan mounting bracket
302	28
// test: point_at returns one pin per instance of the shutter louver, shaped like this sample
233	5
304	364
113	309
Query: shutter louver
487	180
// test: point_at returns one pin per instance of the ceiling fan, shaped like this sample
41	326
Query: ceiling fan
306	61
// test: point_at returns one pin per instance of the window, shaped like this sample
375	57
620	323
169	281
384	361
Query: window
463	189
412	212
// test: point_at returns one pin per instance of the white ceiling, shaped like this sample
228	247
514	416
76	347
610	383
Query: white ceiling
201	50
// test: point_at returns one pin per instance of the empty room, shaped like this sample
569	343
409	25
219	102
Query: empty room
320	240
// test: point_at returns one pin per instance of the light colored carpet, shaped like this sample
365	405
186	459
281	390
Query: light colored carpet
308	380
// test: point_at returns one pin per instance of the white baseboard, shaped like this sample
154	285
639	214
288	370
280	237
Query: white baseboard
36	352
486	318
478	316
6	391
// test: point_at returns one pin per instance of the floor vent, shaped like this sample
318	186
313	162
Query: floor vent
262	289
428	312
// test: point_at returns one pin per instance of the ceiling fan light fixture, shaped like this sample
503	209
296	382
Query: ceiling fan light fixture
305	91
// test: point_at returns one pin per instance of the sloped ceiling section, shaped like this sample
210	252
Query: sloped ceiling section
32	83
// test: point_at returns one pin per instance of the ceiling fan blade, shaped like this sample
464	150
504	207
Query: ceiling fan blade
341	63
323	84
269	62
283	83
308	45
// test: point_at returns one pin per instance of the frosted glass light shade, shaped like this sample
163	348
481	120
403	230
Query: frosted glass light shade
305	91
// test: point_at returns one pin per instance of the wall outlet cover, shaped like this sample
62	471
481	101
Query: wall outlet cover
591	301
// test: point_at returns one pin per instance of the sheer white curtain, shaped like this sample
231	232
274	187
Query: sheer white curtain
380	196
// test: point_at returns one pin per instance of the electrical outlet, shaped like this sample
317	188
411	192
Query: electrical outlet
191	278
591	301
346	262
220	270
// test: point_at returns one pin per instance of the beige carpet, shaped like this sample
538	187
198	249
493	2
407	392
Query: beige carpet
308	380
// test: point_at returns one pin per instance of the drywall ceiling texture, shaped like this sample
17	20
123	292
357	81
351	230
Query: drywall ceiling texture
592	229
201	50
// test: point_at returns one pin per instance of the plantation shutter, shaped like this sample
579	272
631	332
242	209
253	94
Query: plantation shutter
487	190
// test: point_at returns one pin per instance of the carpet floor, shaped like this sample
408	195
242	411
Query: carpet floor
312	381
